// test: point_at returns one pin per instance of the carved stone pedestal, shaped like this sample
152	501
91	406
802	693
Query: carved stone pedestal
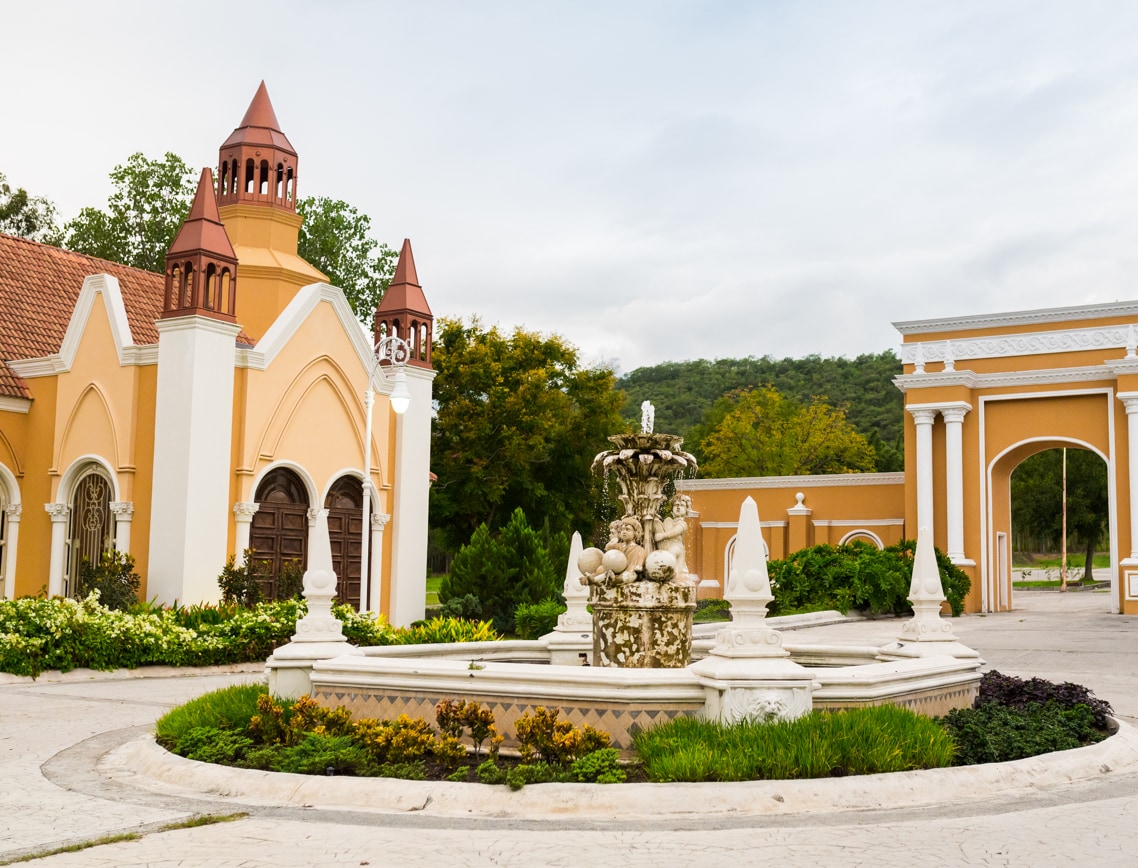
643	625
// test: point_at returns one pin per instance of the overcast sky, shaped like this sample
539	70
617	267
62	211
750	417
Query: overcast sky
652	180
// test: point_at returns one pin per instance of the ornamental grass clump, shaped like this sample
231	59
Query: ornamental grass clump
820	744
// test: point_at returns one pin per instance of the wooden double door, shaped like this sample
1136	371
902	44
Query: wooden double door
279	531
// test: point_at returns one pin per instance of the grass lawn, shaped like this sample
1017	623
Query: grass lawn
433	583
1075	560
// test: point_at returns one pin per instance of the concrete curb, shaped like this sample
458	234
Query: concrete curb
75	676
142	763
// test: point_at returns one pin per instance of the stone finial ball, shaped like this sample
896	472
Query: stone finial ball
589	561
660	566
615	561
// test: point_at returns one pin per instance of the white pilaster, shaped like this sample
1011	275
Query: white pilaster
11	548
58	513
1130	401
243	513
954	479
411	480
193	424
375	555
924	417
123	512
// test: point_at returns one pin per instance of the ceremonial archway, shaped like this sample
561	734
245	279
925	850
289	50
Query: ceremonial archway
983	394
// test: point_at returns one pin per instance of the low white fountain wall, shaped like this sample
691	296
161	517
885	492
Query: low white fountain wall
513	678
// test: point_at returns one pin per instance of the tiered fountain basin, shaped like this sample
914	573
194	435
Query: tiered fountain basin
515	677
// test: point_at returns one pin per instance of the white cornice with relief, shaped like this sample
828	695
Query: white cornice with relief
1023	344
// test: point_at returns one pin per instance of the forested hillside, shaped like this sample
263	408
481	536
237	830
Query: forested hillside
683	392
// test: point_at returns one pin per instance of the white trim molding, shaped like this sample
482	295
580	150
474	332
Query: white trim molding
1009	379
1018	318
57	363
818	481
15	405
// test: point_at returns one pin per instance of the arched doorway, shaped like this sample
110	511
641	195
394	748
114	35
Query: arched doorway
278	534
345	530
1023	457
91	525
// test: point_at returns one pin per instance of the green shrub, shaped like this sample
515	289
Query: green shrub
441	630
113	578
711	610
317	753
820	744
992	733
599	767
533	620
503	570
856	576
290	582
466	607
208	744
242	584
1018	693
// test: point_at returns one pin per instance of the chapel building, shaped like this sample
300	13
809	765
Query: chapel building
188	416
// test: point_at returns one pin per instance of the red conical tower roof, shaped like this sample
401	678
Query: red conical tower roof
257	163
260	125
404	311
201	265
203	230
404	292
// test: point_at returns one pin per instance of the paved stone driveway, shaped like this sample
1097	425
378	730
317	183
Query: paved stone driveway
55	735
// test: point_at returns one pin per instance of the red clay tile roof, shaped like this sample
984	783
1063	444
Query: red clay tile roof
39	286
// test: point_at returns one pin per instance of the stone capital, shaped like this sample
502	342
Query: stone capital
57	511
244	511
1129	401
922	415
379	521
13	510
122	509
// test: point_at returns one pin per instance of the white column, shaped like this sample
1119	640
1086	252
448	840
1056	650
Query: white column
954	479
375	587
193	424
243	513
123	512
1130	400
58	513
924	418
11	546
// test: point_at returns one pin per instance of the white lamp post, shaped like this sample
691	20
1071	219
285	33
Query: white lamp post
396	352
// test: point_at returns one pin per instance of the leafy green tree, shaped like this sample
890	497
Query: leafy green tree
519	423
335	238
27	216
685	392
1037	502
150	200
503	570
764	433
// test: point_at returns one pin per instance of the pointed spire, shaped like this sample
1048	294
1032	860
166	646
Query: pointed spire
260	112
404	311
257	163
405	268
201	265
203	231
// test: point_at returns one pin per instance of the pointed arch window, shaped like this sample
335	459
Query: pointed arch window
91	529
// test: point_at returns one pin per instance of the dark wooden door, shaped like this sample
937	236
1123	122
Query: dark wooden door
345	531
279	531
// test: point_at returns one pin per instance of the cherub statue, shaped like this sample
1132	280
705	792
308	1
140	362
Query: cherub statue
629	535
670	537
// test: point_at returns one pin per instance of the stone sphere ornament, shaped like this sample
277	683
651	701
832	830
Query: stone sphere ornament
660	566
615	561
590	561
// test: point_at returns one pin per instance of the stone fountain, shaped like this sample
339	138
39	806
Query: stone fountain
639	587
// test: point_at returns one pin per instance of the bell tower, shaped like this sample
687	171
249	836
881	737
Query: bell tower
201	267
257	194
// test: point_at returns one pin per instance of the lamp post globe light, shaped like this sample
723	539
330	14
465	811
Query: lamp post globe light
388	363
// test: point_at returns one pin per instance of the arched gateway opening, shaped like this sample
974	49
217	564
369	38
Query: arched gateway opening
1055	490
984	394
